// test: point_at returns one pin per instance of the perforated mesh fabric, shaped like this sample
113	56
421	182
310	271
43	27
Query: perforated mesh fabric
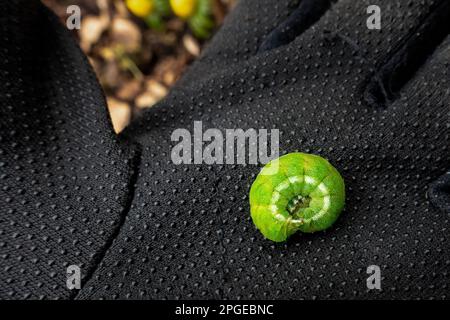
64	178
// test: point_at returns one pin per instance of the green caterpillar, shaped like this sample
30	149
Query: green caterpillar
297	191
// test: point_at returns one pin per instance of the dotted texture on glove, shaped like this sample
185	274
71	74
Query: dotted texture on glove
440	193
64	179
189	233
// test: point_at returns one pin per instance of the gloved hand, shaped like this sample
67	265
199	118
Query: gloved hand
64	177
375	103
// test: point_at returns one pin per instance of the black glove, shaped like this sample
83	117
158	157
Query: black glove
64	177
373	102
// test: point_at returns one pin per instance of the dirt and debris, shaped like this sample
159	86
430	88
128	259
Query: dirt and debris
136	65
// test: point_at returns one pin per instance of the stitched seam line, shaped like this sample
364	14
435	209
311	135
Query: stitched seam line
400	52
96	262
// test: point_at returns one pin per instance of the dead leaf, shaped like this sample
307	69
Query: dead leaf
91	30
121	9
156	88
129	90
146	100
120	113
169	69
191	45
169	78
175	25
127	34
110	77
219	10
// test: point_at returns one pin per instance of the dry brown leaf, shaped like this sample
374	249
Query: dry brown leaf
121	9
156	88
120	113
191	45
159	40
146	100
170	68
129	90
175	24
219	10
127	34
169	78
91	30
94	63
110	76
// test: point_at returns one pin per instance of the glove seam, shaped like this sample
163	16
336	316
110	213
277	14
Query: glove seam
409	57
97	262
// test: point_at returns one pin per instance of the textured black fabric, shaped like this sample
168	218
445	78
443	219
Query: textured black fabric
307	13
64	179
440	193
335	91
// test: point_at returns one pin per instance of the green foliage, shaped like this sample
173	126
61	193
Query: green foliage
200	22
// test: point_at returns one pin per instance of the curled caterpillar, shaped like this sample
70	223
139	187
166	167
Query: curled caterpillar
297	191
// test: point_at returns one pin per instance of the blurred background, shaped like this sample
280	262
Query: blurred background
140	48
